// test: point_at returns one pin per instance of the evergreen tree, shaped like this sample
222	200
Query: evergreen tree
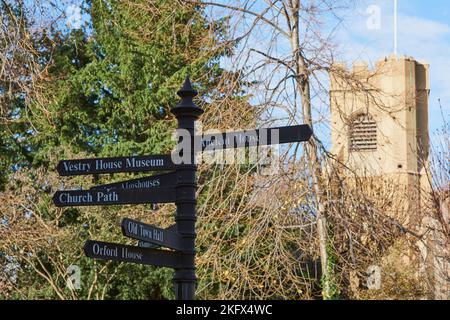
107	92
119	80
17	73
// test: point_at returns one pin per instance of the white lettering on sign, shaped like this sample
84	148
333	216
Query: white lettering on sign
101	196
243	138
108	165
77	166
132	228
65	197
128	254
145	163
231	138
146	233
107	196
158	235
142	184
151	234
104	250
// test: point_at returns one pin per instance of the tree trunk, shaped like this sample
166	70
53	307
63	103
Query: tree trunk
303	86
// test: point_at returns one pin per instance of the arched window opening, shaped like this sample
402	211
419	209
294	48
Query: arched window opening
363	133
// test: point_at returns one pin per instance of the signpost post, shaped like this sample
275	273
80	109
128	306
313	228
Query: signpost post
178	186
186	113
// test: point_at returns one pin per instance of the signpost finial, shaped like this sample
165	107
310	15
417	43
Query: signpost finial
187	107
187	89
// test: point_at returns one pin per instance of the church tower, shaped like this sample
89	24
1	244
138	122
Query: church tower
379	122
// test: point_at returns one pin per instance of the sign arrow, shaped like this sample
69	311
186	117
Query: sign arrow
125	253
75	198
115	165
152	182
258	137
151	234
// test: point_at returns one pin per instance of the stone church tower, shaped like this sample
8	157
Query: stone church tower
379	123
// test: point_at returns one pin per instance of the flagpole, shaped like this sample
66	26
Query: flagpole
396	27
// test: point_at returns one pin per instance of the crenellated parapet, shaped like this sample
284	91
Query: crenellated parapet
361	76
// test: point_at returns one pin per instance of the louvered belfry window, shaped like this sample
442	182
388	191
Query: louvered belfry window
363	133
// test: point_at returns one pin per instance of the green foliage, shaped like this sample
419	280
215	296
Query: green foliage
15	74
118	83
329	280
108	92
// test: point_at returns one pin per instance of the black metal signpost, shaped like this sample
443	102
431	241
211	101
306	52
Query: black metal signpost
186	113
178	186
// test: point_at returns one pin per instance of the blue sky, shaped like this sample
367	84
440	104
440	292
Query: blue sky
424	33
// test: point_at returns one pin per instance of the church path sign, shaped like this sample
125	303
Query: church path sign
76	198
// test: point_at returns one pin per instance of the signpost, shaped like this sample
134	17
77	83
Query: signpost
177	187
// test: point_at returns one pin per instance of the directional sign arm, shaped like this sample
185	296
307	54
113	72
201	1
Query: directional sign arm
293	134
77	198
143	244
151	182
115	165
151	234
258	137
125	253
